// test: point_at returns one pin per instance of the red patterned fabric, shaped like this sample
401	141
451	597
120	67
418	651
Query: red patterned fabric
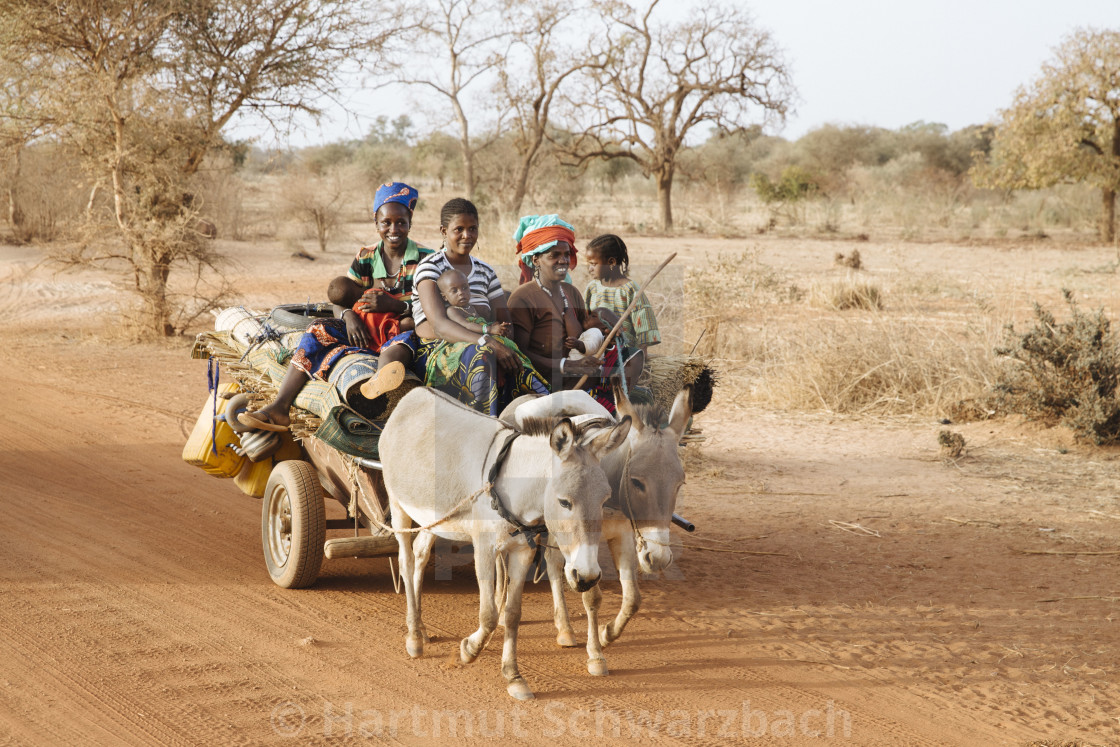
539	237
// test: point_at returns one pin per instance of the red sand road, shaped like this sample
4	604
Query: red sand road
889	602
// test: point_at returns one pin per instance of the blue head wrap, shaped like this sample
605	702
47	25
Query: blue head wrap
395	192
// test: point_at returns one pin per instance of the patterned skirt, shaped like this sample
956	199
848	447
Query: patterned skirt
469	373
322	345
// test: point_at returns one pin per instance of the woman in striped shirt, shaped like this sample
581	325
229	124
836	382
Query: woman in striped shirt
489	374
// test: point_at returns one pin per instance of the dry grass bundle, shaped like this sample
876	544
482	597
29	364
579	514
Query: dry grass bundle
257	384
849	294
668	374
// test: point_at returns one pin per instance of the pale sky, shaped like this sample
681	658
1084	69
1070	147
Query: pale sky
883	63
889	63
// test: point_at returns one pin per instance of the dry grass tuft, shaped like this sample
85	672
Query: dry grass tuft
849	294
880	365
772	348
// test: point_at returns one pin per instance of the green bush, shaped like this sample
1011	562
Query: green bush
795	183
1067	372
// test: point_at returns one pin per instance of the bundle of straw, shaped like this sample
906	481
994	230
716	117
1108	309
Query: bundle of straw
668	374
259	385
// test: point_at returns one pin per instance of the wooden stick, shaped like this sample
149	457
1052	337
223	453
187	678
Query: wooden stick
698	339
1070	552
625	314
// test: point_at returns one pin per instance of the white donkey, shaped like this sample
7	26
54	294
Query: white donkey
646	477
438	456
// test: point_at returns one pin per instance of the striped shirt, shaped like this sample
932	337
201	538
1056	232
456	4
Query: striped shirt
640	328
482	279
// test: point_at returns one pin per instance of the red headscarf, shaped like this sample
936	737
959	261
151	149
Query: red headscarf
539	237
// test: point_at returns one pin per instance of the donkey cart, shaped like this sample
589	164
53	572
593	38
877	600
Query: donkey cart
294	473
329	452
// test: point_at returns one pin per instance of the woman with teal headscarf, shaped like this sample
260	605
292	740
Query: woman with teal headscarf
549	313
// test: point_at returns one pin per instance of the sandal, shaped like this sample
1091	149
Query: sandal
253	421
386	380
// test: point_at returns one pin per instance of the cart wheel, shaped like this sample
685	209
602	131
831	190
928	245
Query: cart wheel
293	525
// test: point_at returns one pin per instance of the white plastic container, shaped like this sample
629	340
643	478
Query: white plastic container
244	326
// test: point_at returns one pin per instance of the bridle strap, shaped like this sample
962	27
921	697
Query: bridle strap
531	532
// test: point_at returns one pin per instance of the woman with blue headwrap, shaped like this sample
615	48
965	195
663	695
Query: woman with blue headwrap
379	281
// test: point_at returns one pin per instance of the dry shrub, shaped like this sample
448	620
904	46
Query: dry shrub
853	260
1067	372
849	294
875	365
45	200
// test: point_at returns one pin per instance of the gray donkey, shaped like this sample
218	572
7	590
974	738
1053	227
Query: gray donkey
467	477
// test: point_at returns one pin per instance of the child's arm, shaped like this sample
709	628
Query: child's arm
459	316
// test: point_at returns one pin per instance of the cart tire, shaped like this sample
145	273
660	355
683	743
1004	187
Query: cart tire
293	525
298	316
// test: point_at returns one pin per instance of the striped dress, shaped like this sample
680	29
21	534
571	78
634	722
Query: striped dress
640	329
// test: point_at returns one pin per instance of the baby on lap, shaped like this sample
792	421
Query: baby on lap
456	291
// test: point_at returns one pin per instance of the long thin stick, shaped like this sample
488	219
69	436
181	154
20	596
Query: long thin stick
698	339
625	314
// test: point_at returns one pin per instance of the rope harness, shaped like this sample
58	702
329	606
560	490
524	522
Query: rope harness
627	509
531	532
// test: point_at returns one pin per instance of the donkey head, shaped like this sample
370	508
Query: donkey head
573	505
653	475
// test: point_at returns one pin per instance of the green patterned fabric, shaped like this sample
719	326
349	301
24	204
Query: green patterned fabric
349	433
444	357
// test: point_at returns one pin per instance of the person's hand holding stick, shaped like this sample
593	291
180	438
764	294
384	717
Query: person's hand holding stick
625	315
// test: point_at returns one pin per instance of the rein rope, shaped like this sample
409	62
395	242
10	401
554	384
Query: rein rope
356	484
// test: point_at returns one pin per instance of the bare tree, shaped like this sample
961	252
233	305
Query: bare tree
1065	126
318	199
530	78
142	89
20	124
471	36
663	80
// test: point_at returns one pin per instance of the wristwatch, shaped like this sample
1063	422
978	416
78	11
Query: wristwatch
482	340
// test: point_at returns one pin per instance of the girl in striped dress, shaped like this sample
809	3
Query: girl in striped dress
609	294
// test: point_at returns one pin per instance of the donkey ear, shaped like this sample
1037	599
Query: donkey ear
623	404
563	438
610	440
681	412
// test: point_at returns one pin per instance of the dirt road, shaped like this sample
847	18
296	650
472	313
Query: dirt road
854	587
